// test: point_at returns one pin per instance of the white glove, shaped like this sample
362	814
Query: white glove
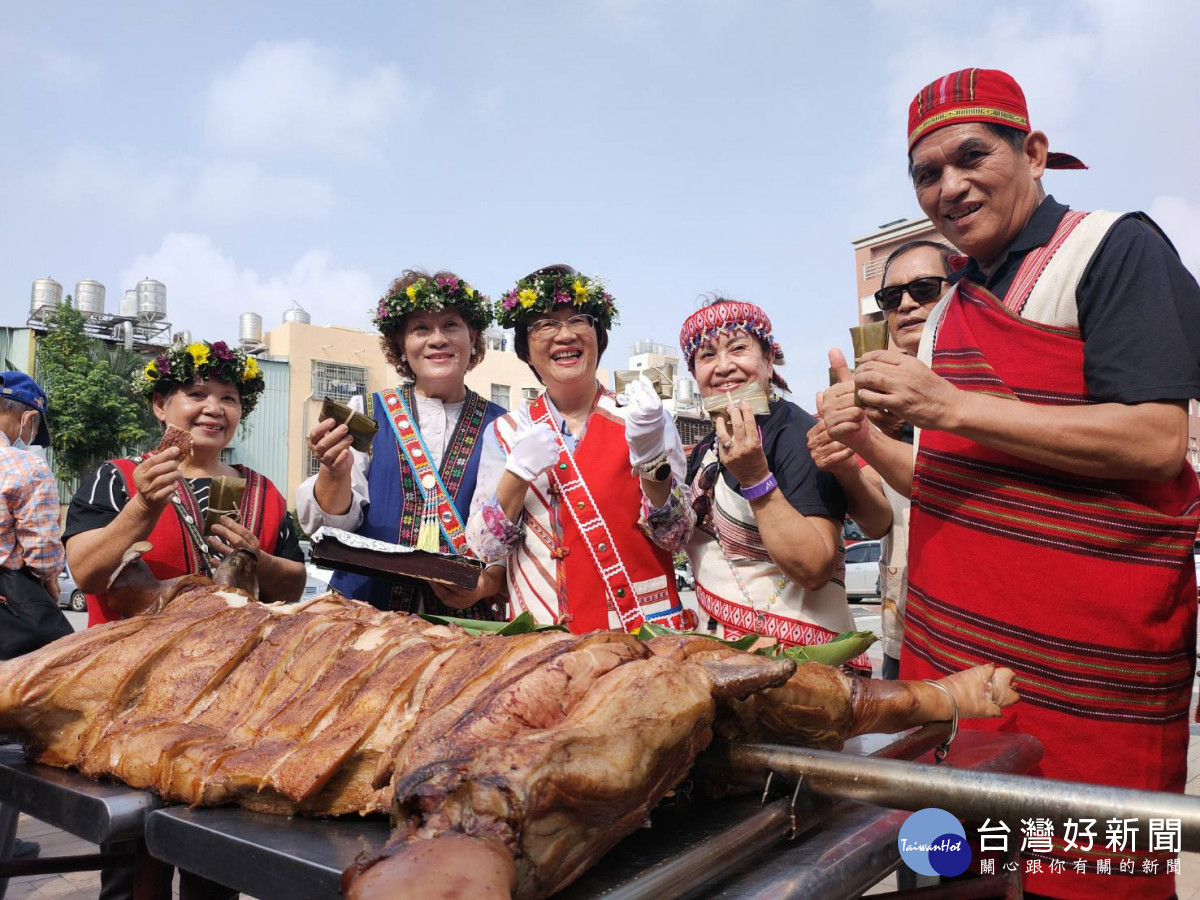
644	422
534	450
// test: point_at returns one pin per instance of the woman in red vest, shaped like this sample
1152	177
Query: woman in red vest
579	489
162	497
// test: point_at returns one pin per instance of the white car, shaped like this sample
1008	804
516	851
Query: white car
1196	559
862	569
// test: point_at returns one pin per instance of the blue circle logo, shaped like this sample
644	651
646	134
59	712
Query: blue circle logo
933	842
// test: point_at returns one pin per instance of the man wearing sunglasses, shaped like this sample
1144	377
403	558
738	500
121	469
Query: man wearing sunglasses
915	276
1053	511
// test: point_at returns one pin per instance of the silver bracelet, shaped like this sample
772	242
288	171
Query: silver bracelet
940	751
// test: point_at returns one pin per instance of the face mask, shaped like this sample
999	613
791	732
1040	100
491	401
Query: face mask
19	443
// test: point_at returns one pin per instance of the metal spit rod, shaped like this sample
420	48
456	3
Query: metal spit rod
695	864
967	794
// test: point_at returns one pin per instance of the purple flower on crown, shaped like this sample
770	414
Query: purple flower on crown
162	364
381	310
561	297
510	299
448	281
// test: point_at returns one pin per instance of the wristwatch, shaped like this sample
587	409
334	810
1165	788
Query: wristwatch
656	469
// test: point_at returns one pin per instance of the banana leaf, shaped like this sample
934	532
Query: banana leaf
650	630
841	649
522	624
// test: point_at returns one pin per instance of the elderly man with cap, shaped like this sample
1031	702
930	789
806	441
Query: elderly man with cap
31	555
1053	513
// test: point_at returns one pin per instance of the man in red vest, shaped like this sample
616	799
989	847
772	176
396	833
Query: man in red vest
1053	513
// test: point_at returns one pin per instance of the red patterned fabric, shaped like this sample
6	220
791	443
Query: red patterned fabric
738	620
975	95
1083	586
727	316
618	499
175	552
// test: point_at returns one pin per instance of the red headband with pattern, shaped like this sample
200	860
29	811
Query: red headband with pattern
725	317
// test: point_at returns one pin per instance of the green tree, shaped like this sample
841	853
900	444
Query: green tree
93	413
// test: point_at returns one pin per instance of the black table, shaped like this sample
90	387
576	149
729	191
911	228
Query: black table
263	855
97	811
850	845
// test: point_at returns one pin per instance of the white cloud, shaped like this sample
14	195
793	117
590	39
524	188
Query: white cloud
122	180
241	190
86	176
69	69
1180	219
298	99
207	289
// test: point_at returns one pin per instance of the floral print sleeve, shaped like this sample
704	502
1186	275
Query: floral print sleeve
669	525
489	532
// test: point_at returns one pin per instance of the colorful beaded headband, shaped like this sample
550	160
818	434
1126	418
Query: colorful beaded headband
726	317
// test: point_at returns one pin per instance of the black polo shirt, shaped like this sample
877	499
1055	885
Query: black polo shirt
1139	308
785	445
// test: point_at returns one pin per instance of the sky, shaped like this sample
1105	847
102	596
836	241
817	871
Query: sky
252	154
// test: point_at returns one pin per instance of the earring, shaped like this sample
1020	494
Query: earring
472	351
403	358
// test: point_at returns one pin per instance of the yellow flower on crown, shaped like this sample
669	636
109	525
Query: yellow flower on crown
580	293
412	292
527	297
199	353
470	290
151	370
251	370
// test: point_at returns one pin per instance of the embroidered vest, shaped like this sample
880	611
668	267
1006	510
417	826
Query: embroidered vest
177	537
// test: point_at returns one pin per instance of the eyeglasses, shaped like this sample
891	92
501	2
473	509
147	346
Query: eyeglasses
922	290
544	329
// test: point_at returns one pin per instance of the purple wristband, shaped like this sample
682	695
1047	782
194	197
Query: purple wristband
761	489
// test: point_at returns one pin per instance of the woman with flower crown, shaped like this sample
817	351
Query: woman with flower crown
206	390
580	493
416	486
767	549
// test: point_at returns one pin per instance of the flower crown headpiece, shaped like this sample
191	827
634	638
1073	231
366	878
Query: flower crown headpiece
544	292
181	364
430	294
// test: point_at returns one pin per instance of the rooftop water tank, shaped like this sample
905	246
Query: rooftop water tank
89	298
249	329
44	298
129	304
183	336
297	313
684	392
151	300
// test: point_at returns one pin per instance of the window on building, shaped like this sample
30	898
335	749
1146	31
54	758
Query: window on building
337	380
502	395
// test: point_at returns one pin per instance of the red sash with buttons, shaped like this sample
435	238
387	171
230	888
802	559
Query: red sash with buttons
574	495
424	471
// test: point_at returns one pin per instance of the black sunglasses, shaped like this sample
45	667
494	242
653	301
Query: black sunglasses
922	290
